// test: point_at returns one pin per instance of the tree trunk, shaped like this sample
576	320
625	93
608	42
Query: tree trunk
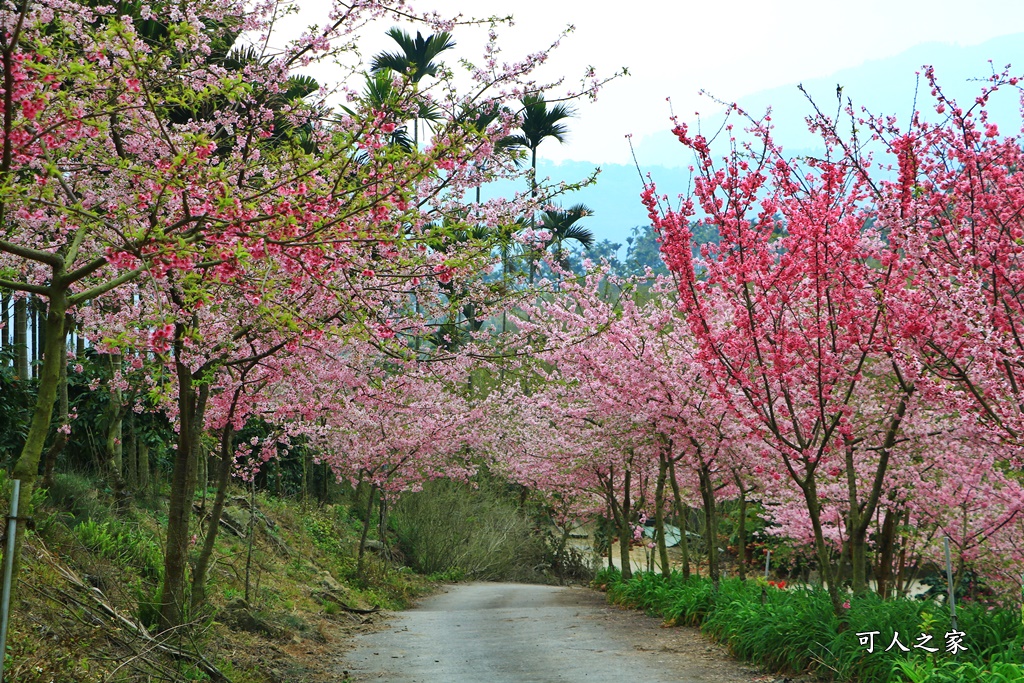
191	406
707	492
21	337
33	325
5	326
144	477
27	467
886	546
113	442
306	466
60	439
682	515
625	532
901	564
130	450
810	489
860	515
227	458
741	530
366	531
250	539
659	515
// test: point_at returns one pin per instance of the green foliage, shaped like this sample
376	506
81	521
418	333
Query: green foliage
326	536
24	507
951	671
77	494
127	545
16	397
642	252
796	630
480	531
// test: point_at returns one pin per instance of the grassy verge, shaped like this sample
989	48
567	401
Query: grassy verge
795	631
91	580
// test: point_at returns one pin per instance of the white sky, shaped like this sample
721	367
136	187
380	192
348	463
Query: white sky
675	48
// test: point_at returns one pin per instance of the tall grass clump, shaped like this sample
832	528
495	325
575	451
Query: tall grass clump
451	528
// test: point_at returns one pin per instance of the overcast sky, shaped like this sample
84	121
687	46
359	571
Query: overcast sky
676	48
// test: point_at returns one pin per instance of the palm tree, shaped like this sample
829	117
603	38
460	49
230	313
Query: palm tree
539	124
415	60
379	95
477	119
562	224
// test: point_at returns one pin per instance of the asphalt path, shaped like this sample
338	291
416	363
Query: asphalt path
518	633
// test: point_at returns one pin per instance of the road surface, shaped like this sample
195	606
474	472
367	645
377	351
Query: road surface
518	633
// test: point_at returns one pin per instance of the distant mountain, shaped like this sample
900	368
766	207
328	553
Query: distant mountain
884	86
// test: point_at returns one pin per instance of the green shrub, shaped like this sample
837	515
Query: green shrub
129	546
77	493
796	630
452	526
326	536
931	671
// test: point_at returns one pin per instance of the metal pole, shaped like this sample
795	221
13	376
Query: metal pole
949	582
12	529
767	559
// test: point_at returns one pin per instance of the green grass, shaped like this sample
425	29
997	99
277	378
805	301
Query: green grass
795	631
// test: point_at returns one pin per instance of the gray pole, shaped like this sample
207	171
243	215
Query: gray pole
767	559
12	529
949	582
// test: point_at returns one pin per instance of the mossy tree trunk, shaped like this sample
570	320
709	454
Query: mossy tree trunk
27	467
114	443
60	439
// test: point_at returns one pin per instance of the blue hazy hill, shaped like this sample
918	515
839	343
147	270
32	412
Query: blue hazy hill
884	86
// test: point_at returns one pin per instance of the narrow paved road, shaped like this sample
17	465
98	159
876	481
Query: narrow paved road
515	633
